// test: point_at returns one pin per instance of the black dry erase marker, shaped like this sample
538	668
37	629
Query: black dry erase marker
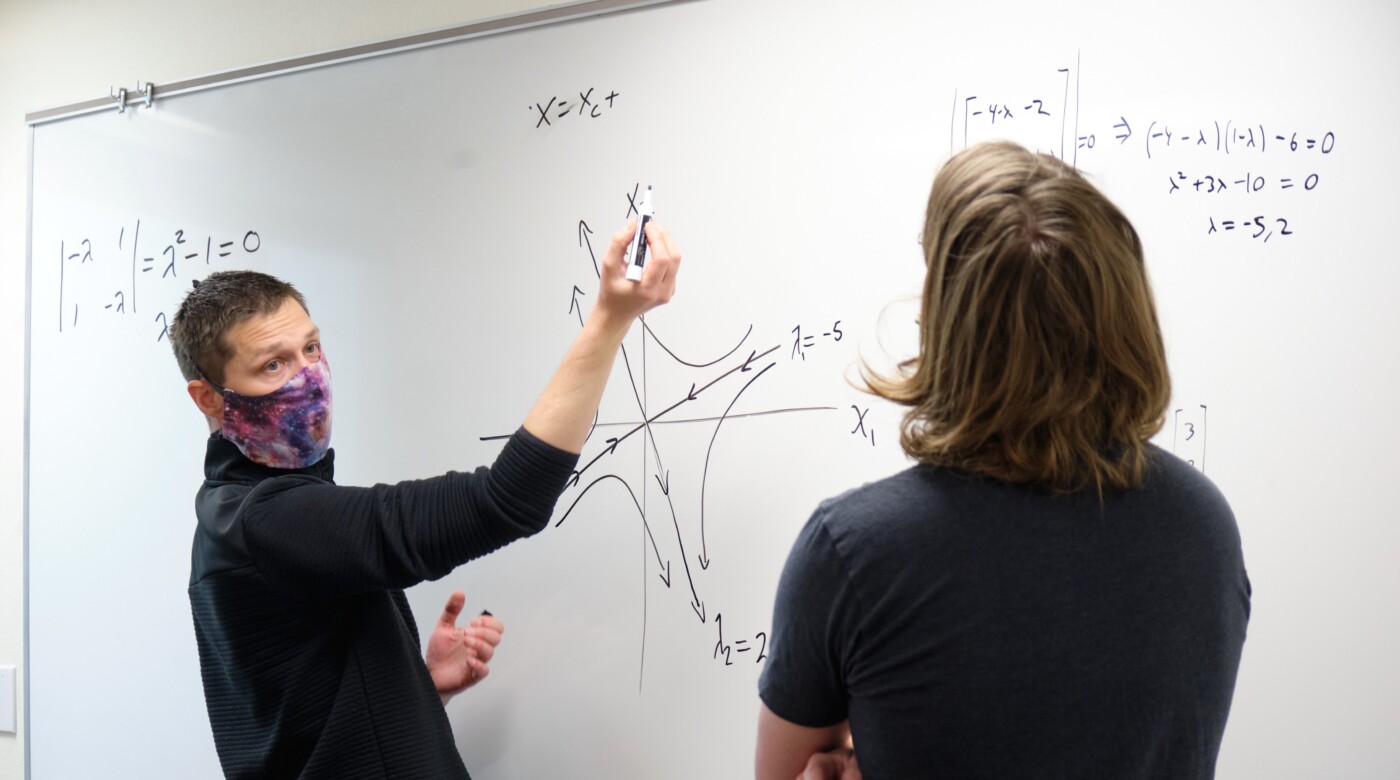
638	250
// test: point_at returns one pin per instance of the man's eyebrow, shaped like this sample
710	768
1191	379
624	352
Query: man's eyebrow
274	348
266	352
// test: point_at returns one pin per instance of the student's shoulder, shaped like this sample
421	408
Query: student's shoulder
917	494
1171	480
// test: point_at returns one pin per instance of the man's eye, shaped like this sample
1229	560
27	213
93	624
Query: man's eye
313	348
273	366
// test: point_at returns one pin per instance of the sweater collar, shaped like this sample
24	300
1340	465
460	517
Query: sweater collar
223	462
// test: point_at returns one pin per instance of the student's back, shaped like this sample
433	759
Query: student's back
972	628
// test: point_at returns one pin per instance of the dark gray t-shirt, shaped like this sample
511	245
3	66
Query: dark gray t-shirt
970	628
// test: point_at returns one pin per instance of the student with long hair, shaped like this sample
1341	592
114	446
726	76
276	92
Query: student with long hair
1045	593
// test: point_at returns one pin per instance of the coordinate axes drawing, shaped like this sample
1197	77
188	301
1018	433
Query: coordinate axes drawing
727	377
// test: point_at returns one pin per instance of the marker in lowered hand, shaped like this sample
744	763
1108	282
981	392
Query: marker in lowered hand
637	251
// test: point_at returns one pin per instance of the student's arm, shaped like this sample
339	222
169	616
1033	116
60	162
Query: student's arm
815	622
564	412
838	764
786	750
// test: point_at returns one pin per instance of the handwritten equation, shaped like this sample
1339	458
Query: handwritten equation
1258	226
1215	156
1232	139
979	114
738	647
113	276
801	343
1249	183
555	109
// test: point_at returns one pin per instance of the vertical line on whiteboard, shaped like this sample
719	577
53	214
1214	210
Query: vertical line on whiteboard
1077	56
645	417
952	122
642	663
135	241
1064	113
1205	436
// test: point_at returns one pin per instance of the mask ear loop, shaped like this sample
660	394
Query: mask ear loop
218	388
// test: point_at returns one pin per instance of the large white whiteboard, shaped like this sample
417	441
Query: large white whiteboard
437	226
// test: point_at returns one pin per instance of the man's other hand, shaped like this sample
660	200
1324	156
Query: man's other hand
459	657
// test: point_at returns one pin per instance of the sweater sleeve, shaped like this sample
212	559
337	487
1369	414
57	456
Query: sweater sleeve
326	540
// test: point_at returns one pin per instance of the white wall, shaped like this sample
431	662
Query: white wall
55	53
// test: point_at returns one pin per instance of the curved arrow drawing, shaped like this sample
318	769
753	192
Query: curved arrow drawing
695	603
704	552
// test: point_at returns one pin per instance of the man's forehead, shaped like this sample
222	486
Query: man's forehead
288	324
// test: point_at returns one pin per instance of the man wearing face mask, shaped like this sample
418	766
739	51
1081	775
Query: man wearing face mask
309	653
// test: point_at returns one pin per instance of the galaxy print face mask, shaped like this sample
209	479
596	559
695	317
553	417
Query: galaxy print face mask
288	428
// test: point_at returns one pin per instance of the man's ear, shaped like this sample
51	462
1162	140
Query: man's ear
207	399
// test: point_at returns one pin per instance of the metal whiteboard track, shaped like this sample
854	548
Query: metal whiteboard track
146	93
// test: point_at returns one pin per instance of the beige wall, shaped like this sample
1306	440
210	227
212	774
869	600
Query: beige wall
58	52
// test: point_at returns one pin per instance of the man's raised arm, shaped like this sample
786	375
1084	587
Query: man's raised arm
564	412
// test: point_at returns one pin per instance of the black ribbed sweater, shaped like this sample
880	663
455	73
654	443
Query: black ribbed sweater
310	656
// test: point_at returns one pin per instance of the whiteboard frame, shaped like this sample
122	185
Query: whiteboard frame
24	491
563	12
34	328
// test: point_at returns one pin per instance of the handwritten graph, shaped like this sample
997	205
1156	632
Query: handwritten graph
677	543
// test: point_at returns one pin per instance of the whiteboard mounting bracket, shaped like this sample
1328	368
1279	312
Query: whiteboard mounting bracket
142	91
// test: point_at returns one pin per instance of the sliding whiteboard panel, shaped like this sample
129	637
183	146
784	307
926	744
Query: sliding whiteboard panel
444	209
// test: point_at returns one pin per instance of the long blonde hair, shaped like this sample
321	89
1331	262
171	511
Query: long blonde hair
1041	359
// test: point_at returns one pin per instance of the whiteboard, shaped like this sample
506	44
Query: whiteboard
442	209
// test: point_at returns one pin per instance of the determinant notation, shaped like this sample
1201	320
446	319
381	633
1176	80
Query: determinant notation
117	274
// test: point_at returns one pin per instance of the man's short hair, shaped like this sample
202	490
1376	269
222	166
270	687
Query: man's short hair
1041	360
199	329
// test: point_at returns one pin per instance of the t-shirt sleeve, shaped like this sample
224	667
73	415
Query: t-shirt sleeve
804	681
321	539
